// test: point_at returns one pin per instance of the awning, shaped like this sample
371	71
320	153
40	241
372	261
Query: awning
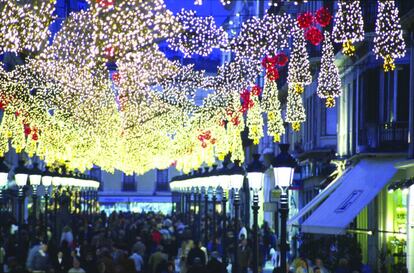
295	220
358	188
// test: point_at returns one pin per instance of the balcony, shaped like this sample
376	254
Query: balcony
386	137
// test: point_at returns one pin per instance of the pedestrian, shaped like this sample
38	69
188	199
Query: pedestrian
215	265
41	260
156	259
320	265
138	261
196	252
245	256
76	267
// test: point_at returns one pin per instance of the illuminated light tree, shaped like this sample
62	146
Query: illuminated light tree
259	37
271	105
329	82
199	35
349	25
25	27
254	117
299	68
389	43
295	113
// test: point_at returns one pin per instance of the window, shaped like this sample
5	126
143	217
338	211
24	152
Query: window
96	173
129	183
162	180
328	121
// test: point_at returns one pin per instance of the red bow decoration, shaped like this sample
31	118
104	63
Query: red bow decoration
323	17
109	52
235	120
35	137
247	102
268	62
305	20
256	90
314	35
116	78
281	59
106	3
27	129
204	137
272	74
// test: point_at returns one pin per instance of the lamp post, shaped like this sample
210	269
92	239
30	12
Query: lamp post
224	182
255	175
21	177
205	215
4	174
47	182
283	167
35	177
236	183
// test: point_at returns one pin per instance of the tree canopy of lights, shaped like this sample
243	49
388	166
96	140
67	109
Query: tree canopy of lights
329	82
295	112
271	106
299	67
63	105
349	25
389	43
199	35
25	26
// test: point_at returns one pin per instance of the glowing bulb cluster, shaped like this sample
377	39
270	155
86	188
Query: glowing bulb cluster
389	43
299	68
271	105
25	27
199	35
295	112
329	82
349	25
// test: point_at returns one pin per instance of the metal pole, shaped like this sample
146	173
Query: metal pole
235	265
206	217
255	209
284	209
199	214
193	221
214	199
55	215
34	199
20	220
224	236
46	210
411	99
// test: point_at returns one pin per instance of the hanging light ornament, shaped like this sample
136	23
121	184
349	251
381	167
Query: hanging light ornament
389	43
199	35
299	67
271	106
295	112
25	27
329	83
254	116
349	25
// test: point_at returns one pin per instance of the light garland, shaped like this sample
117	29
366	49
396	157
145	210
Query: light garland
389	43
349	25
329	83
295	112
271	105
25	27
299	67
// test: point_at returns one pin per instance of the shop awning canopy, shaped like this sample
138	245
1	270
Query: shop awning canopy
358	188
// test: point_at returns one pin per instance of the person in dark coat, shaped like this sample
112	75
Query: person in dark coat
61	264
245	255
41	260
195	253
215	265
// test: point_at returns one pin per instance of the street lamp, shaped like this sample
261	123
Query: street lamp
35	177
236	174
283	167
4	174
47	183
21	175
255	175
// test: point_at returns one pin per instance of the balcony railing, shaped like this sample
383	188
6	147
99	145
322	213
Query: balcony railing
387	137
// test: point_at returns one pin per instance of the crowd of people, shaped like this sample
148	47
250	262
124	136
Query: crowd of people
142	242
